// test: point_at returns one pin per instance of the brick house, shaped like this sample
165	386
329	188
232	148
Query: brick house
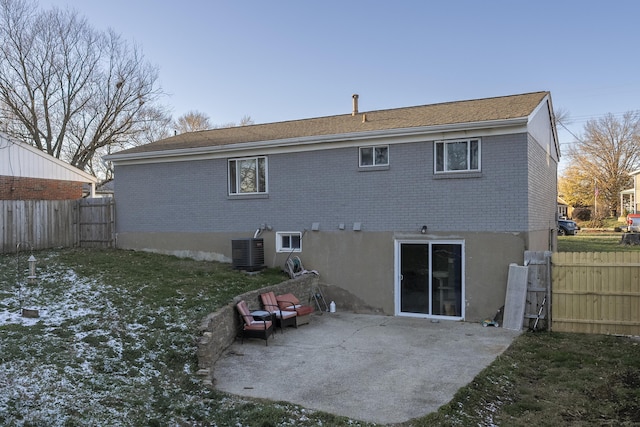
27	173
414	211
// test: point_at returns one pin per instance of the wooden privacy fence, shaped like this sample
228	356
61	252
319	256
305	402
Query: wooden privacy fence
596	292
43	224
96	222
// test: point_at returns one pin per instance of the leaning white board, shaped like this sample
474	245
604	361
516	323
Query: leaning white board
516	297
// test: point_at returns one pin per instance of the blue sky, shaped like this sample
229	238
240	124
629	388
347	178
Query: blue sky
285	60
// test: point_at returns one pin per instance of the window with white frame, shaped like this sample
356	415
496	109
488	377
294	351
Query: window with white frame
248	176
459	155
288	241
374	156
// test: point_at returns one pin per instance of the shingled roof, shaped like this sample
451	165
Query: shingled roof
448	113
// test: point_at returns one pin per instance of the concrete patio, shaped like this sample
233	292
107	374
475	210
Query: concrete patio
373	368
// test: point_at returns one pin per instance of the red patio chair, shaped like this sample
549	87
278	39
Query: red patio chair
283	317
252	328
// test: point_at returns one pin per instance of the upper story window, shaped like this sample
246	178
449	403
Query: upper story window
457	156
374	156
248	175
289	241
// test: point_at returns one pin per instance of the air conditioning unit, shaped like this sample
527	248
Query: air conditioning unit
247	254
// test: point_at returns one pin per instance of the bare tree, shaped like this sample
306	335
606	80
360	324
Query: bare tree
192	121
561	117
608	152
244	121
68	89
157	125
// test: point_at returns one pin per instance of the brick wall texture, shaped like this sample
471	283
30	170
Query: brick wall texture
19	188
542	176
327	186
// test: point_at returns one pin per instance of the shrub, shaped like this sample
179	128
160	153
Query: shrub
582	214
595	223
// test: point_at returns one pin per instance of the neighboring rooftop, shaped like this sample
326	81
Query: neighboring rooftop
20	159
448	113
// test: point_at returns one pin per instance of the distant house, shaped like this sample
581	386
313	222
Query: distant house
629	198
27	173
414	211
563	208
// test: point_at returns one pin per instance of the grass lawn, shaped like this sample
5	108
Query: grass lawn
116	340
552	379
115	344
594	242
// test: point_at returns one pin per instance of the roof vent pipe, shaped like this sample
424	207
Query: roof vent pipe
355	104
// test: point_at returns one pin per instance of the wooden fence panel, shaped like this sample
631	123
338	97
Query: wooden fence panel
596	292
42	224
96	223
39	224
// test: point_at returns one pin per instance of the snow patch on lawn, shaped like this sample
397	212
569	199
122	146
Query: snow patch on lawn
99	356
79	299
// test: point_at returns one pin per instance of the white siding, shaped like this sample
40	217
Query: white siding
22	160
541	128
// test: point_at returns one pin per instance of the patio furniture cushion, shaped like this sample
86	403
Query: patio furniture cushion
245	312
252	328
271	304
290	302
282	314
258	325
287	300
283	317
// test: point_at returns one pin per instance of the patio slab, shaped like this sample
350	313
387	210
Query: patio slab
373	368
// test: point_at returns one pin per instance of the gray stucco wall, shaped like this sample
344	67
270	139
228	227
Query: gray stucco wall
363	263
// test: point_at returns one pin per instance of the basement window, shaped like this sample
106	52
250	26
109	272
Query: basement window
288	241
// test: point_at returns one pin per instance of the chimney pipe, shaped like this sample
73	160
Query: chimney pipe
355	104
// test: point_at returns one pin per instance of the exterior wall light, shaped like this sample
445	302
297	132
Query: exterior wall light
423	230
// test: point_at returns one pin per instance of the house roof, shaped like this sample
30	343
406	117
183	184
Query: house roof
448	113
23	160
104	188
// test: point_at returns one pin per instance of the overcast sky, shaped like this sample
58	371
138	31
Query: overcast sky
290	59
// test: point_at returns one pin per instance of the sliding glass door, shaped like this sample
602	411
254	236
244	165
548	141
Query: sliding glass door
430	278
